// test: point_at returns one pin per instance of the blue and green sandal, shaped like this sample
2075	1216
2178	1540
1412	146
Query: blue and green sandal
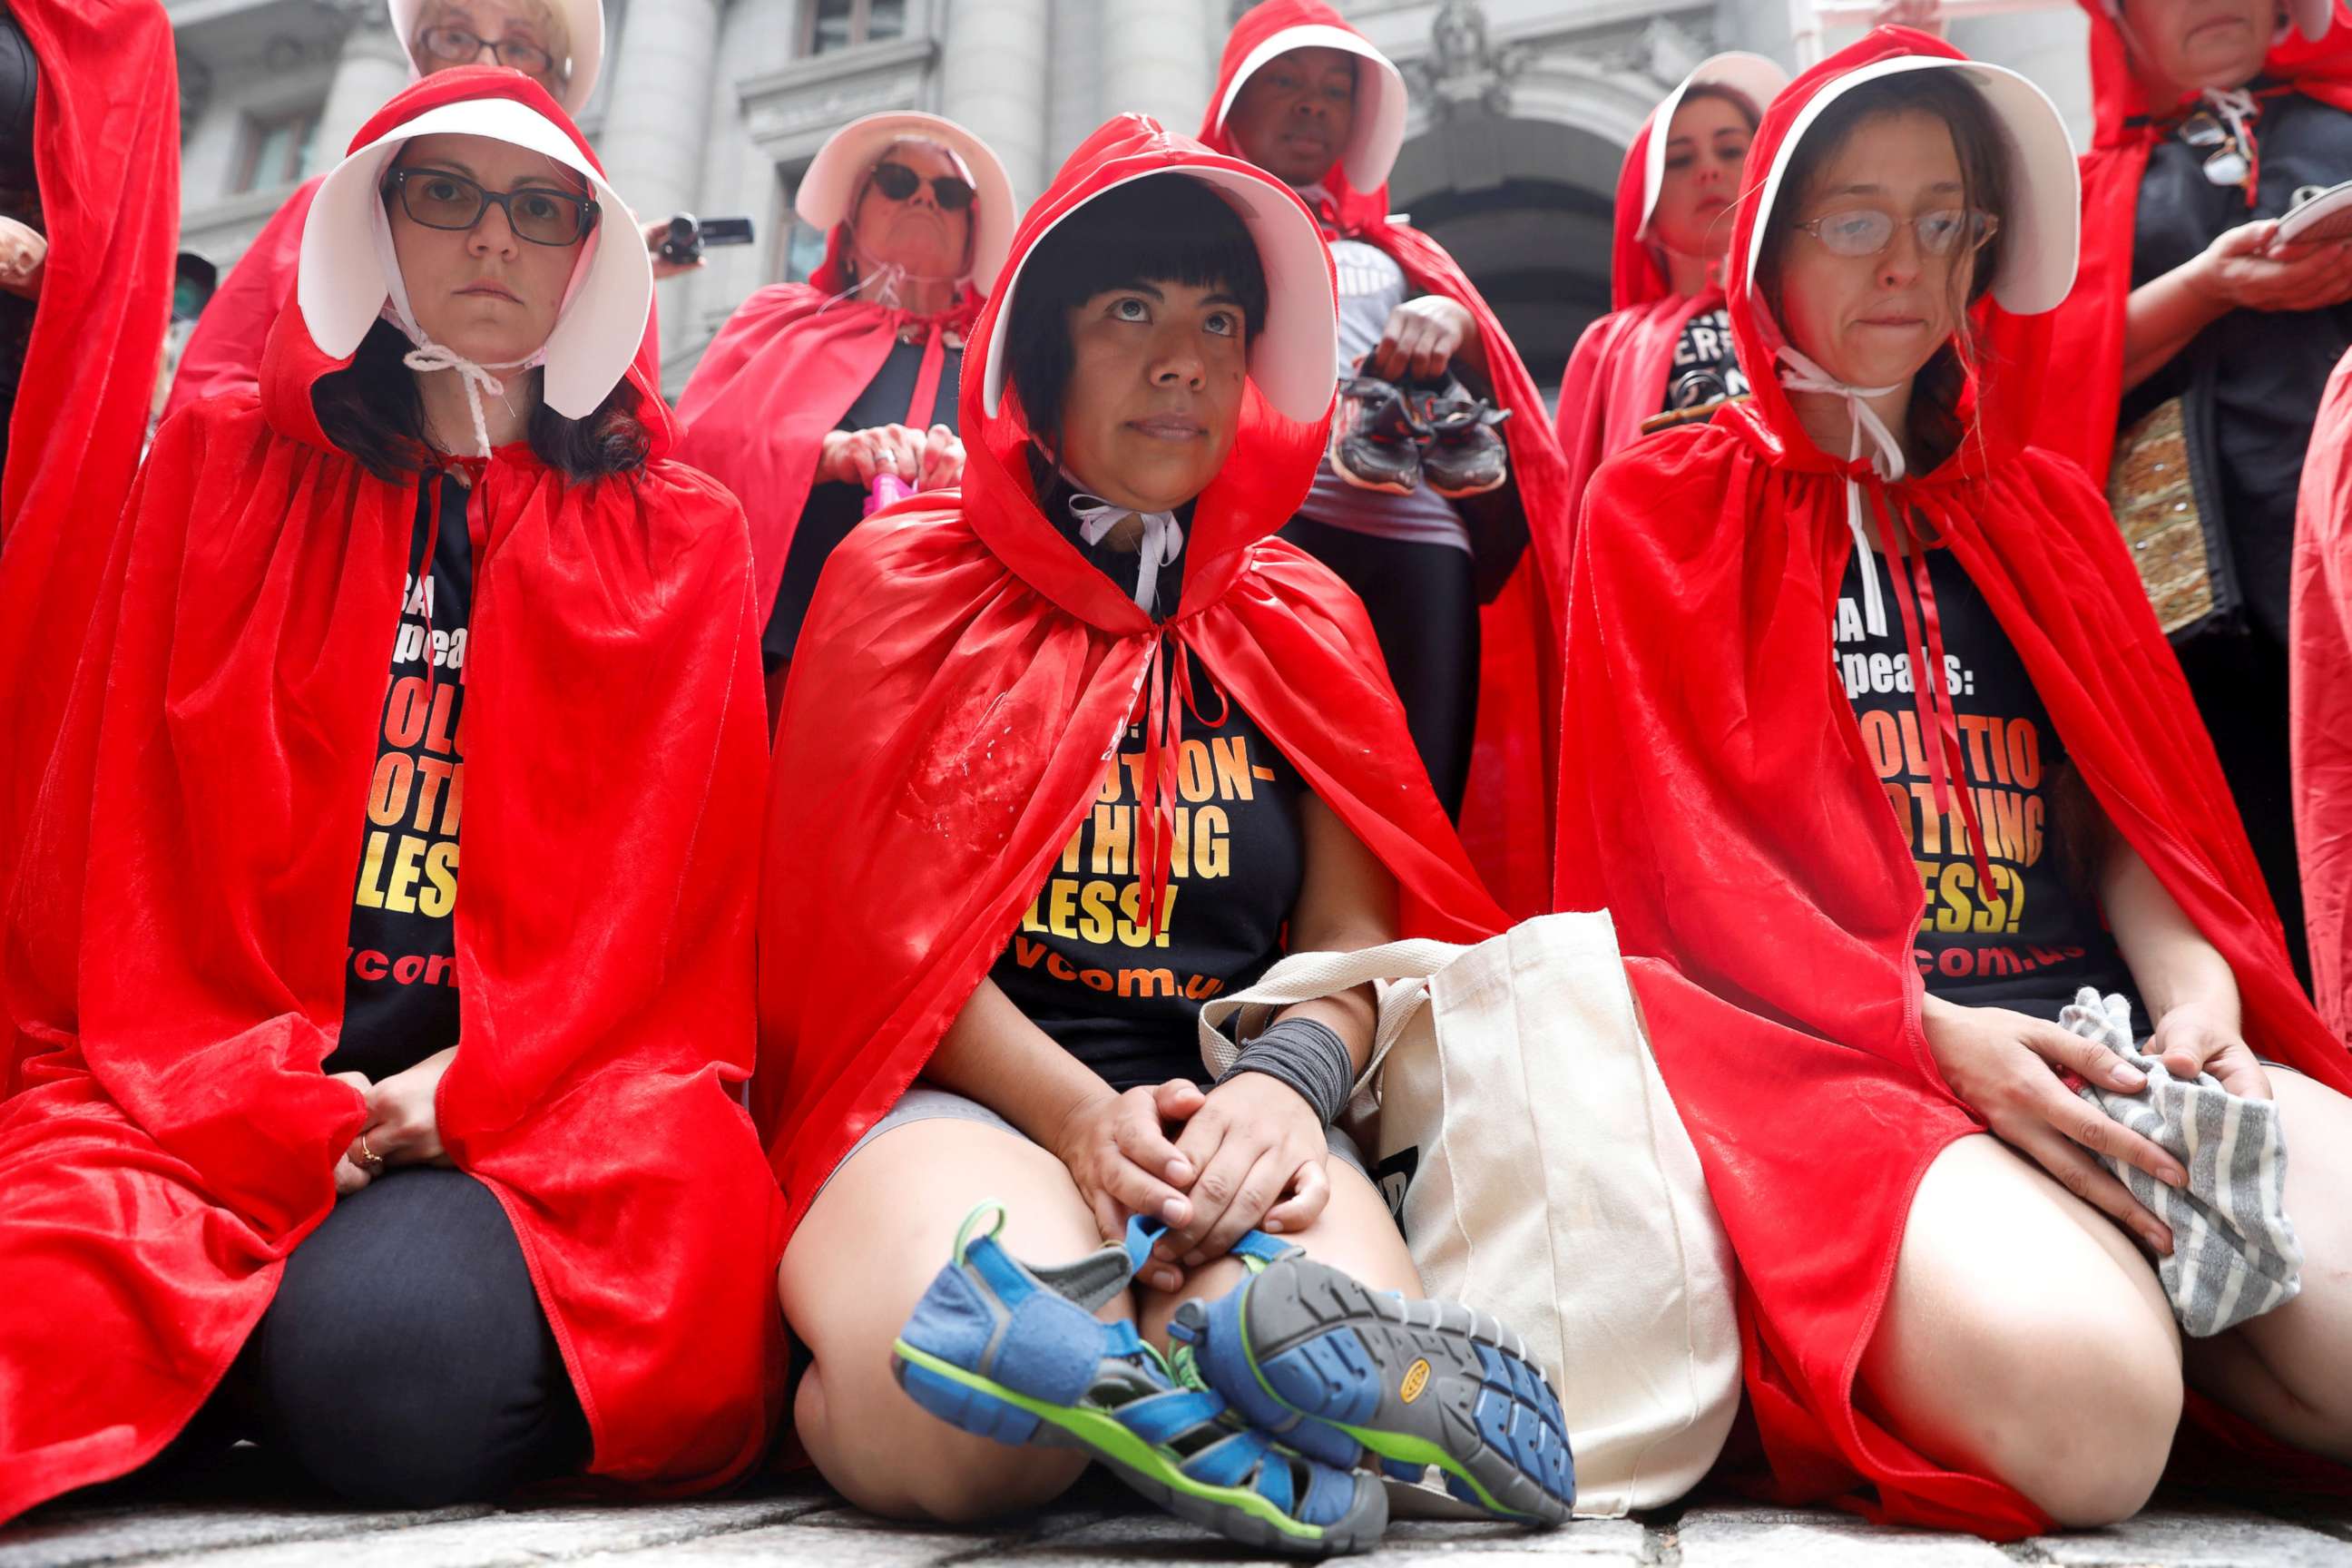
1352	1375
1016	1353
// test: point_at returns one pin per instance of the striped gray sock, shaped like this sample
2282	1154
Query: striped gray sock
2234	1253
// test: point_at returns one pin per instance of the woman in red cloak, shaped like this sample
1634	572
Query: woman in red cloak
812	391
2195	342
1074	751
559	44
90	198
1665	345
1464	594
439	1194
1942	1326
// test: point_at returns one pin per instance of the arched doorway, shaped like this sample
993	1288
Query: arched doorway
1525	205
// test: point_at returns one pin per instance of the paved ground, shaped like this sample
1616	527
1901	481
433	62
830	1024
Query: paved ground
249	1518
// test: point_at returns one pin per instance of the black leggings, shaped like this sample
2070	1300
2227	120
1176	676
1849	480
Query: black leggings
2240	683
1425	610
406	1361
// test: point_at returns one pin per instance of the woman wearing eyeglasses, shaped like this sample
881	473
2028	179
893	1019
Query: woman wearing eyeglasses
1854	898
2199	344
425	1173
559	44
1664	349
817	400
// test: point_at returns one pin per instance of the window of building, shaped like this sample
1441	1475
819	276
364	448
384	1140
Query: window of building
844	23
278	149
800	248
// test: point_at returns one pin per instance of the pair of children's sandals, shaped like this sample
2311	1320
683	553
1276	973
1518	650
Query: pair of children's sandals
1278	1412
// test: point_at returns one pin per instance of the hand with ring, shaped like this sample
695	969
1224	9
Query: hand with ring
855	457
360	1163
403	1126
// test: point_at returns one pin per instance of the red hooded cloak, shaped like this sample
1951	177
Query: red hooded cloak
780	373
1506	809
2088	332
175	1139
965	675
2319	649
1716	797
107	156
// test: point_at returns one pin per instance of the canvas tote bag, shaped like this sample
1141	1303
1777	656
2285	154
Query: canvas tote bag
1529	1151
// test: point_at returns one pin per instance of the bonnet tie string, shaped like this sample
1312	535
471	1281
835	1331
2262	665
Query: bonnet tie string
1163	539
477	379
1886	461
1931	697
1163	740
2238	110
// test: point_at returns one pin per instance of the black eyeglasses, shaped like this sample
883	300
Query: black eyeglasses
1867	231
2226	163
898	181
456	45
439	199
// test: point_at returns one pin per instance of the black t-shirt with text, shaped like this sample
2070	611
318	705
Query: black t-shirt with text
2030	941
1706	364
1084	963
832	509
400	974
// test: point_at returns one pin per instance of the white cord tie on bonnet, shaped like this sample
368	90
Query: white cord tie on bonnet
1886	461
1163	539
477	379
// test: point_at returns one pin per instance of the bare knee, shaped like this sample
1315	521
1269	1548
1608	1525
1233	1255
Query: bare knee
2025	1339
2092	1429
900	1464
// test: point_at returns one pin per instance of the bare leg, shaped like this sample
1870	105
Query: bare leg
2285	1369
2026	1337
861	1259
1354	1231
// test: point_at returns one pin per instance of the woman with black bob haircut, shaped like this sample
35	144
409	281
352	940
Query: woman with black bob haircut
1098	746
324	1138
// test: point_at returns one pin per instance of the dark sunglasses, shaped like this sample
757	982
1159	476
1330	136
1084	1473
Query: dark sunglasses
439	199
2225	161
898	181
457	46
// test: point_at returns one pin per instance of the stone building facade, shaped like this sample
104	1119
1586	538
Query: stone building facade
1522	111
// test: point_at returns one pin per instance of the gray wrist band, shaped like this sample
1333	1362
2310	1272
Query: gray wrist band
1306	1055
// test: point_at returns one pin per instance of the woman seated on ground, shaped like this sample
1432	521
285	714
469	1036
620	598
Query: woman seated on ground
812	392
1071	755
1975	1325
318	1146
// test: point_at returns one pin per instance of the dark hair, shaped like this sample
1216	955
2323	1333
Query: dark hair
1732	96
1936	428
373	409
1163	228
